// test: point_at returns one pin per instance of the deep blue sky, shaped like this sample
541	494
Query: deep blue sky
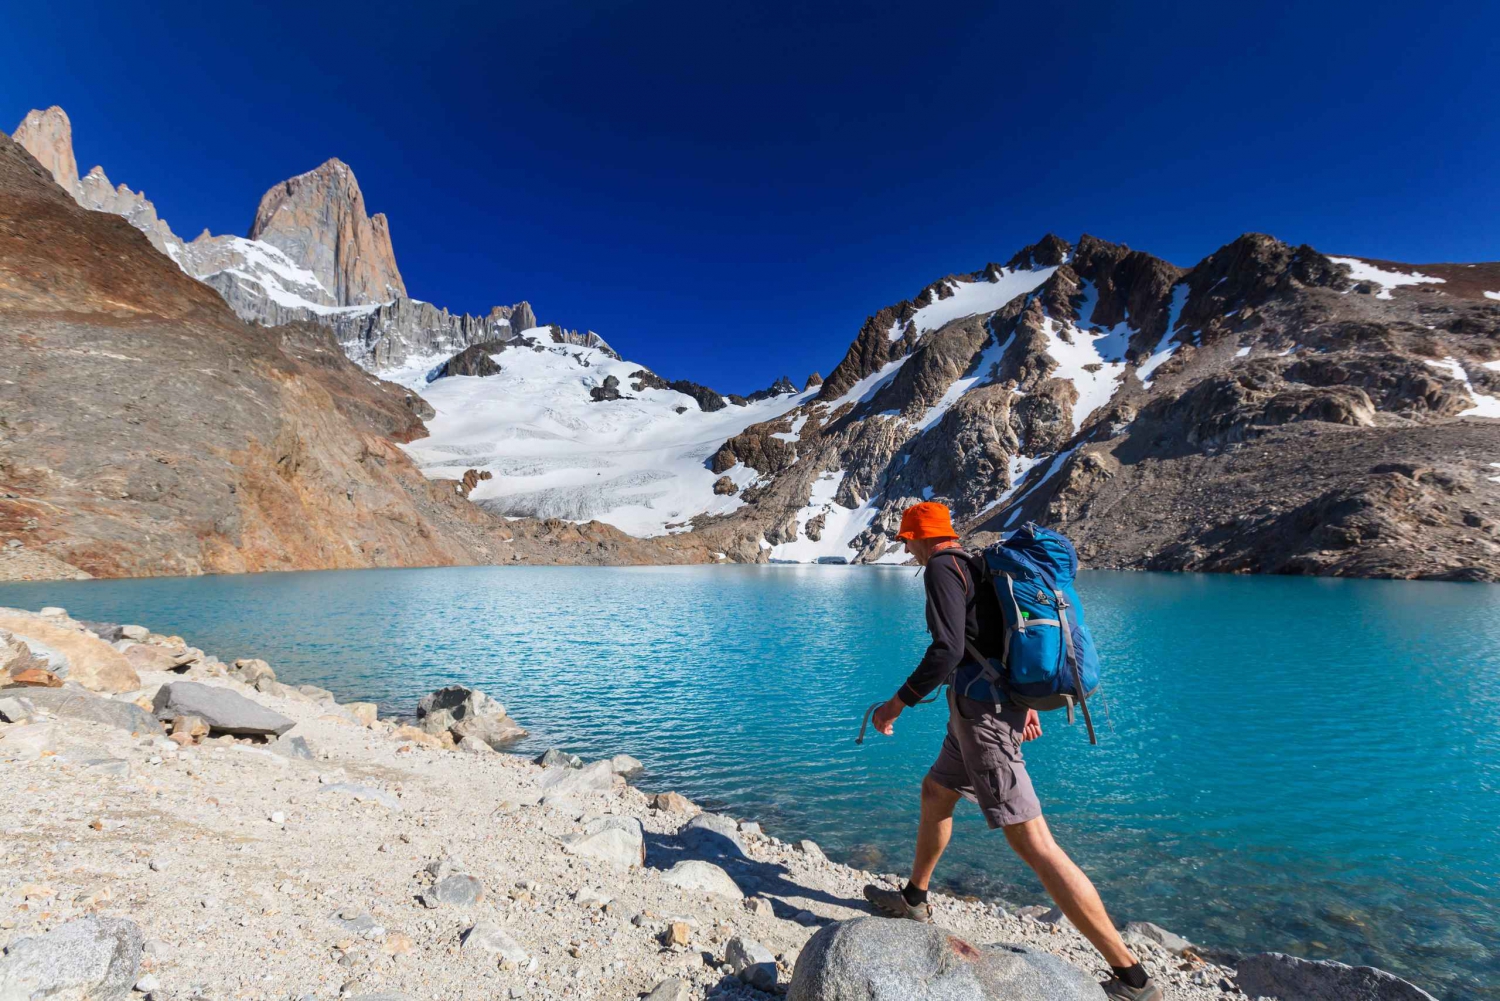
726	191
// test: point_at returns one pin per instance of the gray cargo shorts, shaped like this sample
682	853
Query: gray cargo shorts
981	761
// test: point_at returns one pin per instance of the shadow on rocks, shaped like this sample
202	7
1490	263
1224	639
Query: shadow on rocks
712	838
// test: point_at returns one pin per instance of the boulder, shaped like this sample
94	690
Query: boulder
33	677
456	891
223	710
136	634
672	802
886	959
624	764
552	757
72	654
150	657
473	745
671	989
472	714
1273	974
596	776
293	747
75	704
250	670
487	936
365	713
16	709
92	958
752	962
1175	944
421	739
713	835
620	841
694	874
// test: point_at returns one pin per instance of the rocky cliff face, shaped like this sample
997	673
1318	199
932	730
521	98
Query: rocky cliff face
318	220
148	430
1271	409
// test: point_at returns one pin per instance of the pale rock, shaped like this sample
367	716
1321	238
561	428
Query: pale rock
807	847
91	958
596	776
16	710
135	633
487	936
672	802
455	891
251	670
1289	978
671	989
75	704
752	962
366	713
760	907
705	877
225	711
624	764
80	658
554	758
1173	943
713	835
620	841
591	897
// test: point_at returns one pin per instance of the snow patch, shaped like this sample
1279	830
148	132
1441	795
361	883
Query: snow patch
1242	353
1363	271
1492	295
1164	348
868	386
1092	358
795	434
840	524
1052	468
1484	406
971	298
633	463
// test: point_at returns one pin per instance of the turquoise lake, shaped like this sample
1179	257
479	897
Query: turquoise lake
1310	766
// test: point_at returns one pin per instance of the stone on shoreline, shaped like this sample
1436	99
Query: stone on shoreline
713	835
411	734
1175	944
467	712
95	958
74	703
1274	974
365	713
223	710
70	653
16	710
671	989
752	962
620	841
554	758
624	764
673	802
694	874
596	776
878	959
251	670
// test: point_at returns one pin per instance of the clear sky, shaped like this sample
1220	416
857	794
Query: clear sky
725	191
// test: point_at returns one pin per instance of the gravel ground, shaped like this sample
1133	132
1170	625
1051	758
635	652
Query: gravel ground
252	876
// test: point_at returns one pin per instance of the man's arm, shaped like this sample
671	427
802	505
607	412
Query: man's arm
948	598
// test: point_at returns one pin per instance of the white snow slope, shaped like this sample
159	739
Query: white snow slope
553	452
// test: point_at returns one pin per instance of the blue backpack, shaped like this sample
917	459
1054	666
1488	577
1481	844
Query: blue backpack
1048	660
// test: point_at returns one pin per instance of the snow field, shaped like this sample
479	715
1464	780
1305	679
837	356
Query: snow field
1363	271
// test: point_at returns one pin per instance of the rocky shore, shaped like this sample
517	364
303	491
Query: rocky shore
179	827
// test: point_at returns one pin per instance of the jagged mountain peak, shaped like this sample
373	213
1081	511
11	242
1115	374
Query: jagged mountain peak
48	136
1049	251
318	219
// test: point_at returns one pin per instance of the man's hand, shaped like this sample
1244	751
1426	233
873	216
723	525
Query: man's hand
1032	729
885	717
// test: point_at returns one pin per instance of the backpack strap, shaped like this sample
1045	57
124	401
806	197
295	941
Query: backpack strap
1067	632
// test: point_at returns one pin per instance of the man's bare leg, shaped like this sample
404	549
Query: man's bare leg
934	830
1069	888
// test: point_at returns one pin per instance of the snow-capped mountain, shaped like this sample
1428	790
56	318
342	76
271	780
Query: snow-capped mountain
1268	409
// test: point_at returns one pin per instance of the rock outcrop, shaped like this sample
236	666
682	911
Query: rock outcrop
883	959
318	220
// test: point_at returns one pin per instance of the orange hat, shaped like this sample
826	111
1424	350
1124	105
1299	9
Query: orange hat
927	520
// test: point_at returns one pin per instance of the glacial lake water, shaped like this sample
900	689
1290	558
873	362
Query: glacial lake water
1311	766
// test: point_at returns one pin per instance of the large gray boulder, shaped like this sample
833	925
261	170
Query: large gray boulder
467	713
1274	974
884	959
704	877
92	958
714	836
560	780
620	841
75	703
223	710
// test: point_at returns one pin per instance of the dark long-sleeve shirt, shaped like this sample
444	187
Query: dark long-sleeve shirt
951	616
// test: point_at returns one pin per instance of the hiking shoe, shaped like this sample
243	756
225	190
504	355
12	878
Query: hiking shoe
1118	990
892	903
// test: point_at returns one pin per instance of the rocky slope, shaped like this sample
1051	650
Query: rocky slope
1271	409
145	429
277	843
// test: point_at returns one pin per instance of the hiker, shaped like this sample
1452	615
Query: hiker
981	756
